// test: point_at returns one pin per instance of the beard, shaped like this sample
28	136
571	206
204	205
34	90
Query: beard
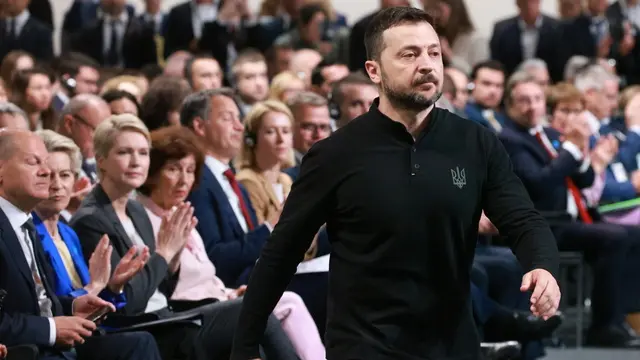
409	99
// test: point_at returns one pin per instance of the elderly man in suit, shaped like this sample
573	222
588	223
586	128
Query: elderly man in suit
32	313
554	170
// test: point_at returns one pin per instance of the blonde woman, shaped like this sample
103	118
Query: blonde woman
122	145
285	85
267	149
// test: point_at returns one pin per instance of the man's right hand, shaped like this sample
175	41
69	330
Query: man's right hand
71	330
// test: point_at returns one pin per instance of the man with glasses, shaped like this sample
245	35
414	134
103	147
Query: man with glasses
78	119
312	121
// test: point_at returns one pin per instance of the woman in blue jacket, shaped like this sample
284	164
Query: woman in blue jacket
72	276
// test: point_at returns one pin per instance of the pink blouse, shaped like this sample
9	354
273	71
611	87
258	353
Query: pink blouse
197	279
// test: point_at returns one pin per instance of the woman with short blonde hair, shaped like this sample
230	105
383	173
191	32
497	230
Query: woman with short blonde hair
285	85
55	142
106	133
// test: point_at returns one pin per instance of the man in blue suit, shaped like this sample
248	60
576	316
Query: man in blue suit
554	171
227	221
31	311
483	106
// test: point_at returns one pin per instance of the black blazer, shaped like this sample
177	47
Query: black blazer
35	38
138	50
506	45
21	322
543	176
97	217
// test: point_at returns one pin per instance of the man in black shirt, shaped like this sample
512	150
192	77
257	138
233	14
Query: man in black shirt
401	190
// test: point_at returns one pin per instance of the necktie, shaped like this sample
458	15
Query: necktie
13	33
243	205
491	118
571	185
41	287
112	53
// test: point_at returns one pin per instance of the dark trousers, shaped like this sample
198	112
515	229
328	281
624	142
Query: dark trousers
125	346
504	275
214	338
612	250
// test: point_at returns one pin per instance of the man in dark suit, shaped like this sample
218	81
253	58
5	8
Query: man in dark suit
483	106
228	224
525	36
554	171
21	31
31	312
117	39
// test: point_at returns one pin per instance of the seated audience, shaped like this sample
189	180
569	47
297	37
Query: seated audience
122	146
203	73
77	74
121	102
554	169
32	91
134	85
160	106
13	117
312	122
232	235
351	97
72	276
325	75
32	313
250	79
537	68
15	61
483	106
175	164
285	85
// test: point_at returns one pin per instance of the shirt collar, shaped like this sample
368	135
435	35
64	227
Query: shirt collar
16	217
216	166
594	123
524	26
123	18
150	205
21	19
536	129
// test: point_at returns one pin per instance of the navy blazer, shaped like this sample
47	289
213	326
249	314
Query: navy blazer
473	112
20	322
230	249
36	38
543	176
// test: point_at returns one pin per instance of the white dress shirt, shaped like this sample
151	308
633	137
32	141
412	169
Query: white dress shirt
121	26
201	14
20	21
594	124
158	300
632	12
574	150
218	168
17	218
529	38
157	21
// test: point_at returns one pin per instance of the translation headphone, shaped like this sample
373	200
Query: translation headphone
334	108
69	83
250	138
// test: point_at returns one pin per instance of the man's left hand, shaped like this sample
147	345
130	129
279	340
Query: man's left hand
85	305
546	293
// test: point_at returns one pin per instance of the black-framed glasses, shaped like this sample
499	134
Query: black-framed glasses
84	121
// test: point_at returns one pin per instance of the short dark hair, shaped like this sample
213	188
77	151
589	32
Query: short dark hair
172	143
487	64
387	19
448	86
307	12
198	104
71	62
165	95
355	78
188	66
114	95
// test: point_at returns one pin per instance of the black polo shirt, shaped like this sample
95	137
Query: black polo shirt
402	217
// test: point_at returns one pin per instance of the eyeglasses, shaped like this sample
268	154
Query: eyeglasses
84	121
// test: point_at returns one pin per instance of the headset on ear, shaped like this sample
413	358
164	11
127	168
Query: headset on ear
334	109
69	83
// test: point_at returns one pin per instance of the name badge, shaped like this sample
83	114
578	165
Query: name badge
619	173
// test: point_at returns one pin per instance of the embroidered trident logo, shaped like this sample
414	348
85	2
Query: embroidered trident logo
459	177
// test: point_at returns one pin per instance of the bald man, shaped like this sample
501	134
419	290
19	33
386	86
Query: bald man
303	62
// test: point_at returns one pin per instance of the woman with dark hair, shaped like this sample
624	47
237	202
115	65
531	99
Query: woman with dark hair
32	91
14	61
175	164
161	104
121	102
461	44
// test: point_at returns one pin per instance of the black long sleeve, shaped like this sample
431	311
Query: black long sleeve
402	218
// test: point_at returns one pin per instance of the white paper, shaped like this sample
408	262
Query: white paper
319	264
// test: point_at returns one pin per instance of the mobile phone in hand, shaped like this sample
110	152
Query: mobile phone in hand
99	314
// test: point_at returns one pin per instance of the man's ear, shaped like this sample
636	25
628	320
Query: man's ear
373	70
198	127
67	122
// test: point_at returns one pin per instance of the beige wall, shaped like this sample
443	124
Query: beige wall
484	12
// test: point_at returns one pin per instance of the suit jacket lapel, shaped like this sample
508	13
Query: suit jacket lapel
11	241
105	203
223	201
142	224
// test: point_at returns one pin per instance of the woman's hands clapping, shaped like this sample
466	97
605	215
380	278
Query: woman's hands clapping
174	233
